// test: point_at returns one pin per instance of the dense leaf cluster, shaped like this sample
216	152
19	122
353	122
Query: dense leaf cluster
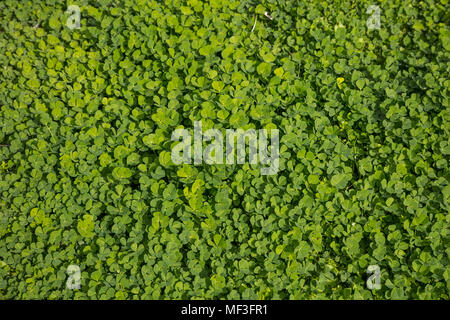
86	179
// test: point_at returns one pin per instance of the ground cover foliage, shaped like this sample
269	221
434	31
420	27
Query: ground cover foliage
85	172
